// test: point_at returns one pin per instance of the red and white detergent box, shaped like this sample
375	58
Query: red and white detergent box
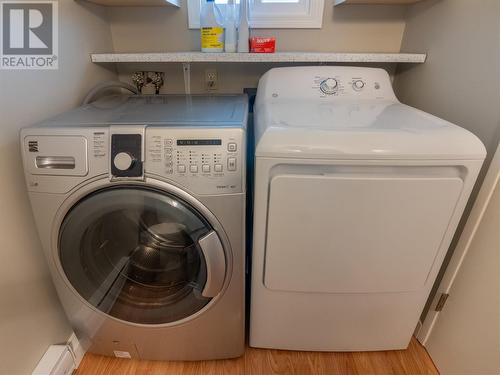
262	45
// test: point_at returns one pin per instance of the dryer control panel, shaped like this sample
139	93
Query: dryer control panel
206	161
327	83
354	85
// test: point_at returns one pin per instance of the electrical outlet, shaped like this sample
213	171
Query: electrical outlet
211	79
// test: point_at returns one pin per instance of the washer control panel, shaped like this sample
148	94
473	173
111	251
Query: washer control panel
206	161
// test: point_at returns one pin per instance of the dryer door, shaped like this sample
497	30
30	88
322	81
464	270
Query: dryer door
141	255
358	230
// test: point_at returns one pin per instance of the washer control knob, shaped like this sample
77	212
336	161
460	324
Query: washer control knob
358	85
123	161
329	86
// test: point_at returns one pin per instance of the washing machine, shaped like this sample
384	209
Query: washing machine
357	198
140	207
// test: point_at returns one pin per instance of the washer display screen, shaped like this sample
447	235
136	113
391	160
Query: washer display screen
199	142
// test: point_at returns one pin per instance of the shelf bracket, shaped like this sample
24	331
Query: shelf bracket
186	68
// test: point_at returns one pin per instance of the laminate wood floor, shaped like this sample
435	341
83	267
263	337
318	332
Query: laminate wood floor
413	361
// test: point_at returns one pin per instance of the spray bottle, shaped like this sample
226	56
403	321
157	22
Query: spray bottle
230	24
243	27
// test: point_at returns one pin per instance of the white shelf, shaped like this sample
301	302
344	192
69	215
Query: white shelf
279	57
136	3
386	2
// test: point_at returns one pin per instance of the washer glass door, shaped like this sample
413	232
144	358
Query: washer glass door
137	255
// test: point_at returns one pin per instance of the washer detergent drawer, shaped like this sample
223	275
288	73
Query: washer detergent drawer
56	155
356	234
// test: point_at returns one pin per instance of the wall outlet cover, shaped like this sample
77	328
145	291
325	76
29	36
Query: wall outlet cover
211	79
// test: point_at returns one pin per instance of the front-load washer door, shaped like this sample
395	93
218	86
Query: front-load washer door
357	231
141	255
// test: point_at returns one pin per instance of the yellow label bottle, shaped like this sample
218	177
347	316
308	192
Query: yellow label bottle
212	39
212	33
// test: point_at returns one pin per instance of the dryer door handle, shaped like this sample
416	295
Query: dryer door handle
213	251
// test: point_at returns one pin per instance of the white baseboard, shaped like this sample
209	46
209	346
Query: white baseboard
57	360
417	328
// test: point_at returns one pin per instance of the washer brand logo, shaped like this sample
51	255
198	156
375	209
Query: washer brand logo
29	38
33	146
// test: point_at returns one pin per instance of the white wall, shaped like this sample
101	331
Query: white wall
460	82
358	28
31	317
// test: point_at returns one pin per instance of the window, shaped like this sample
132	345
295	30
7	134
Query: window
293	14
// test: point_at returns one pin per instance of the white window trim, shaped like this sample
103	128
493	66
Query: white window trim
312	20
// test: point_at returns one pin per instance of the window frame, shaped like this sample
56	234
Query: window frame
312	18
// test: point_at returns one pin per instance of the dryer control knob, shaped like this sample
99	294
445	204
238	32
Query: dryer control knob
329	86
123	161
358	85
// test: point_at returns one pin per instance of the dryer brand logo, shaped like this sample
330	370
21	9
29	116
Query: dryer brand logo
29	38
